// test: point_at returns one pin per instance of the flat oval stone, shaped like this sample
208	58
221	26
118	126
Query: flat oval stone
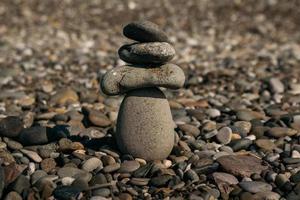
129	166
145	31
92	164
147	53
35	135
145	126
255	186
125	78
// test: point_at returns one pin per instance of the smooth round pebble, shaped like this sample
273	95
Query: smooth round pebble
92	164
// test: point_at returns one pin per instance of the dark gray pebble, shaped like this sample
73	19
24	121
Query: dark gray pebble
160	181
10	126
147	53
145	31
34	135
104	192
66	192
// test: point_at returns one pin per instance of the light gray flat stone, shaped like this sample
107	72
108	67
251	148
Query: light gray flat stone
125	78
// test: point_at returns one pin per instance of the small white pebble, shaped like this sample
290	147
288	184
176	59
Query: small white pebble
31	168
295	154
251	137
246	179
167	163
67	180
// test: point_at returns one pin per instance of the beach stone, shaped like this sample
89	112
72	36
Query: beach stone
125	78
265	144
244	127
129	166
266	195
12	171
48	164
64	96
296	177
81	183
67	181
20	184
225	177
145	126
38	174
66	192
69	172
145	31
162	180
66	145
278	132
241	165
147	53
13	196
189	129
111	168
98	118
191	175
213	113
225	182
240	144
255	186
3	145
125	196
98	179
6	156
32	155
46	187
35	135
11	144
248	115
107	160
92	164
224	135
276	85
11	126
98	198
139	181
104	192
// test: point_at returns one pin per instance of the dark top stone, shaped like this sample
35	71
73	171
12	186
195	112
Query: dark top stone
145	31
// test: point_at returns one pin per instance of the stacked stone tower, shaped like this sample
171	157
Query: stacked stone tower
145	126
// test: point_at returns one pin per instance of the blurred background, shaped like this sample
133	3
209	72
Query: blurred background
225	47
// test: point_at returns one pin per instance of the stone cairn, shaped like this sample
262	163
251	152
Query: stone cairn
145	127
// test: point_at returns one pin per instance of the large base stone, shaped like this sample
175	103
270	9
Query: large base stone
145	128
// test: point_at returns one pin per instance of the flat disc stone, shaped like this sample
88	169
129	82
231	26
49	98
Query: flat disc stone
125	78
145	53
145	128
145	31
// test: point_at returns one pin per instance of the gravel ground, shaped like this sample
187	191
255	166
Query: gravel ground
237	117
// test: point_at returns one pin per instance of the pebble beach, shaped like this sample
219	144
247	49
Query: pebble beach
236	118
